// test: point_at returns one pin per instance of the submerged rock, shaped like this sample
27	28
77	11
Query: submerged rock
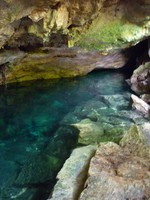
103	118
39	169
43	167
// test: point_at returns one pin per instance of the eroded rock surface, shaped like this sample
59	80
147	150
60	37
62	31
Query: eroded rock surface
115	173
141	105
50	63
65	21
56	23
140	80
72	176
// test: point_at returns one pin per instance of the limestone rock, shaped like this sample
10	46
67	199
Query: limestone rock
115	174
115	29
146	98
50	63
5	34
140	80
73	174
140	105
137	140
90	132
11	56
105	117
37	170
85	23
29	25
117	101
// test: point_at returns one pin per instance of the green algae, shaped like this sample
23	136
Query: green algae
106	33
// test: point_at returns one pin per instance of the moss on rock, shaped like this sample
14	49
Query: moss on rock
109	32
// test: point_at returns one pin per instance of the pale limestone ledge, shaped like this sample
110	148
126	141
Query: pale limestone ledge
72	176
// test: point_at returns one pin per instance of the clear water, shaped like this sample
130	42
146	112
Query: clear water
31	135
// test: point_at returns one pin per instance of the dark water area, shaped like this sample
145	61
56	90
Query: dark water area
33	142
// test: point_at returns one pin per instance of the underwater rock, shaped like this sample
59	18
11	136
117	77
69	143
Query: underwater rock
43	167
116	174
64	138
38	169
140	80
72	176
117	101
105	117
9	190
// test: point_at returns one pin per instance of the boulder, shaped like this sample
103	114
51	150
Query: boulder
89	132
116	174
146	98
105	117
140	80
72	176
137	140
38	169
140	105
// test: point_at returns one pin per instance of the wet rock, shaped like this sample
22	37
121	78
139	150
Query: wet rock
111	30
9	190
140	80
146	98
90	132
140	105
115	173
43	167
5	34
50	63
64	138
11	56
38	169
104	116
137	140
117	101
73	174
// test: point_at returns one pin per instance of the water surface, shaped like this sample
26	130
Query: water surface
31	131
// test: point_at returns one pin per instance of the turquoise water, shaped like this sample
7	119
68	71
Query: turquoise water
34	140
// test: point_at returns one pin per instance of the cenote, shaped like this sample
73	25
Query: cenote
36	128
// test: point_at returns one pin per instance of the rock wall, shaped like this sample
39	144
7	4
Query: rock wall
102	25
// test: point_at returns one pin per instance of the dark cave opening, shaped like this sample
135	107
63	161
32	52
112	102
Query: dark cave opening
139	55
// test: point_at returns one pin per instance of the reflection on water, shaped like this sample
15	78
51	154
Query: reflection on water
33	144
